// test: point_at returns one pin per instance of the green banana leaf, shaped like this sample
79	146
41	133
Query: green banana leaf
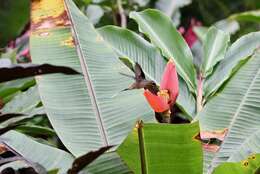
170	7
35	152
200	32
214	49
238	51
83	109
235	108
109	163
132	46
47	156
248	16
9	89
24	103
14	15
161	31
35	130
247	166
249	146
163	149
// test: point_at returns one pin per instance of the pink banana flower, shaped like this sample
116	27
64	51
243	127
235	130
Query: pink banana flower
169	90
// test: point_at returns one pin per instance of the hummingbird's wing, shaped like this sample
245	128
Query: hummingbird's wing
139	74
141	82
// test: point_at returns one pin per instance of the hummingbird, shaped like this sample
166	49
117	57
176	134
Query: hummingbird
141	81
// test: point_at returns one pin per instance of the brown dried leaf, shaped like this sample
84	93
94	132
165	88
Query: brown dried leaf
3	148
211	147
219	134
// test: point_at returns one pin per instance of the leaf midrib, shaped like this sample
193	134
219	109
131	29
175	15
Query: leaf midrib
87	79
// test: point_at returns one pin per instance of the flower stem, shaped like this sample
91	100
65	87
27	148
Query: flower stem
166	117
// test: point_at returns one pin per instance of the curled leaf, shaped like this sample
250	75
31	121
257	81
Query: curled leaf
219	134
7	116
212	140
84	160
12	72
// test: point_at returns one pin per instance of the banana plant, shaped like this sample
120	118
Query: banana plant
90	111
219	65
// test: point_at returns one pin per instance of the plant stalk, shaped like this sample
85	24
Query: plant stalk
139	126
200	93
123	20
